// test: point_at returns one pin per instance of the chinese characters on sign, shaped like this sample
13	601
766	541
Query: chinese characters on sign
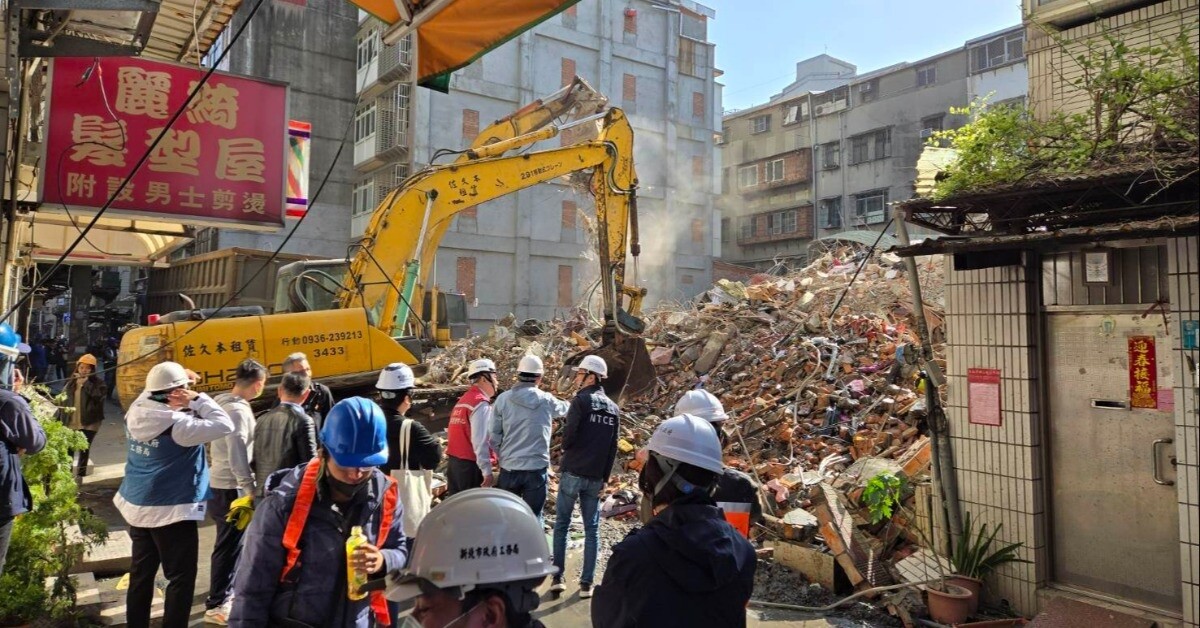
222	161
1143	373
983	396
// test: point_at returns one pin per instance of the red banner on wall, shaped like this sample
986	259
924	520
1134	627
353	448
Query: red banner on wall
1143	373
983	396
221	162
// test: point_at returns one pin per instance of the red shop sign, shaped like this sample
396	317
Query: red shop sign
221	162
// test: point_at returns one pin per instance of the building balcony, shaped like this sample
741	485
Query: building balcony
391	65
389	141
1068	13
747	238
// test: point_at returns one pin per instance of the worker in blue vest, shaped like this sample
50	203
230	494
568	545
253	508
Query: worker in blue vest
165	490
293	568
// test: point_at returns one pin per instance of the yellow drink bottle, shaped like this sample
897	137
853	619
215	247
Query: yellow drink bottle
354	578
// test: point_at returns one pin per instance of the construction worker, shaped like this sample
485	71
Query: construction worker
520	431
293	569
589	447
737	494
469	452
231	478
165	489
285	435
688	566
85	396
479	559
320	400
411	446
20	433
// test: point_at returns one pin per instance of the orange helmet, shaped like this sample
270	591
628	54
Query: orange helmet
87	358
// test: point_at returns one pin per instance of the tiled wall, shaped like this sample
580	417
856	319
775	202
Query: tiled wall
1183	256
991	323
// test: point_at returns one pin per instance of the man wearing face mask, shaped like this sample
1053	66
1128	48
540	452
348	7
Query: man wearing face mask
165	489
293	569
20	433
467	446
230	479
479	559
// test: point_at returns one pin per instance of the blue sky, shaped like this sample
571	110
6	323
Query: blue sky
760	41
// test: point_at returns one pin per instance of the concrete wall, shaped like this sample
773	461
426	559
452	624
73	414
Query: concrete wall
1003	83
518	240
312	49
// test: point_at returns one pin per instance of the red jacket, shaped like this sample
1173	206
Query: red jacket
459	432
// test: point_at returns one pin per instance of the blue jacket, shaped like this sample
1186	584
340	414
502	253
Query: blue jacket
316	593
18	430
687	567
521	426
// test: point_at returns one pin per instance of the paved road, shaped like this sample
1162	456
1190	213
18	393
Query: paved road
108	456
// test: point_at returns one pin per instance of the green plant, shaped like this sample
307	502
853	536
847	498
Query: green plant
54	536
882	496
1137	105
973	554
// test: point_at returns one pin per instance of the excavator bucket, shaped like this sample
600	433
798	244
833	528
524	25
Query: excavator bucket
629	369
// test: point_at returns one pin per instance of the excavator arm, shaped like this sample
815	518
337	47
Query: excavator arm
574	101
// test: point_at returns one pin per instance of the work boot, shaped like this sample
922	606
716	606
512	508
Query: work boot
557	585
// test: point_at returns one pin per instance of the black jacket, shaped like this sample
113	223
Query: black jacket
687	567
738	488
283	438
317	406
18	430
424	451
589	440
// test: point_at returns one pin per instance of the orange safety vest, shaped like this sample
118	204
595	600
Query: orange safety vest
295	527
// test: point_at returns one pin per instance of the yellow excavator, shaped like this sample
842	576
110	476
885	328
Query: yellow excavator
378	311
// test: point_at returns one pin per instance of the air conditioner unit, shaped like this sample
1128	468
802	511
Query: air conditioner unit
823	109
925	133
865	88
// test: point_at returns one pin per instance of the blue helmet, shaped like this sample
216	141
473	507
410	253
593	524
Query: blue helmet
355	433
10	341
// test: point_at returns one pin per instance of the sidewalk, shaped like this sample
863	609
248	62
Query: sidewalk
108	457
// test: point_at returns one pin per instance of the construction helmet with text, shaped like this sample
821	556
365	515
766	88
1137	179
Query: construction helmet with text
703	404
396	376
481	538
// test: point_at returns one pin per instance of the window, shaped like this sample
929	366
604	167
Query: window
363	201
566	286
724	230
747	176
724	180
869	91
570	15
631	21
870	207
859	149
697	231
831	155
868	146
693	26
779	223
569	220
795	113
467	220
697	104
789	221
926	75
831	213
760	124
368	49
364	124
774	171
406	50
465	277
932	125
470	124
697	166
567	71
997	51
629	88
693	57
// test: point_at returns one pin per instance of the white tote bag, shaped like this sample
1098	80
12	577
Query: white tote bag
416	487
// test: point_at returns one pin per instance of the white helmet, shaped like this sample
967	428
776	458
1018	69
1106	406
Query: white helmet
530	364
690	439
165	376
593	363
396	376
482	365
479	538
703	404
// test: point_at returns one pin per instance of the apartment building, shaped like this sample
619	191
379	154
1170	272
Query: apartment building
812	164
528	253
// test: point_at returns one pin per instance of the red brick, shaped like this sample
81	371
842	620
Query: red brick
568	214
631	21
470	124
629	88
697	104
465	277
568	71
566	286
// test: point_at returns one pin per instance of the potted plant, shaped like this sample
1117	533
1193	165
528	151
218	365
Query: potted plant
974	557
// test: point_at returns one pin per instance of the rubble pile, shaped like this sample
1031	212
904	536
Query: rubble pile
819	377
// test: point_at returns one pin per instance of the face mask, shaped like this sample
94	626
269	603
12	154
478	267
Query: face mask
411	622
345	488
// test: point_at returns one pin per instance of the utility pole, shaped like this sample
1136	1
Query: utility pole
942	455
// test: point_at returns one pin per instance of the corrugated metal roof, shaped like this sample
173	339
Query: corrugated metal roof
173	37
858	236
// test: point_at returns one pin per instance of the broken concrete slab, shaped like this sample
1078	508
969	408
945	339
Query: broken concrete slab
813	563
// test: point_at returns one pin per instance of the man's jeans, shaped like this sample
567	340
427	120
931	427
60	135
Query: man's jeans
6	526
528	485
587	490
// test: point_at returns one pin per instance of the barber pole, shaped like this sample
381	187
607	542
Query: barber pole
299	144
